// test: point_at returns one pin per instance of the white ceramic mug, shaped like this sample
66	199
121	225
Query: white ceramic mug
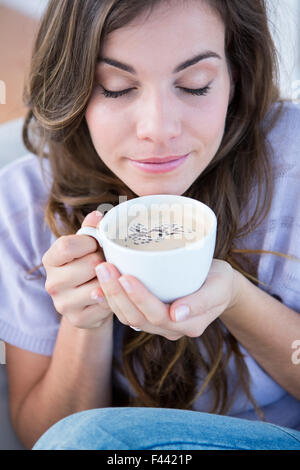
168	274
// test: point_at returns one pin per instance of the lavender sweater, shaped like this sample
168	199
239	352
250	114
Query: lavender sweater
28	318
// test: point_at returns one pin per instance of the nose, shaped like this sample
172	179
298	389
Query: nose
158	119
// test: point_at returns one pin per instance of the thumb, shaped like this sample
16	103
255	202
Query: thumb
92	219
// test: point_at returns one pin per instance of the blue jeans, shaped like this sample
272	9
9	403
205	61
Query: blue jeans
156	428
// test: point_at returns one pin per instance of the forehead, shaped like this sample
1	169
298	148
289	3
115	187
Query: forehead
171	32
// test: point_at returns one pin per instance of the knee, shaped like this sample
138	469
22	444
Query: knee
73	432
104	429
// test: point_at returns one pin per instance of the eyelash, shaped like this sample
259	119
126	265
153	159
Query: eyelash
116	94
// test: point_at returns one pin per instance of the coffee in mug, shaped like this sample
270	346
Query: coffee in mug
166	228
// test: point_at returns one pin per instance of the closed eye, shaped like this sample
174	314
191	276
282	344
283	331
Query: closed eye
116	94
198	91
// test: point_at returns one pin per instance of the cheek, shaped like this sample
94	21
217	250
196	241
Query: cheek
105	127
213	118
208	128
214	121
208	123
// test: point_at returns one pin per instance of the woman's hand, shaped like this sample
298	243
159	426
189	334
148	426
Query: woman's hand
71	281
136	306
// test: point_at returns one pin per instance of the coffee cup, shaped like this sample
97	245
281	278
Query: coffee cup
166	241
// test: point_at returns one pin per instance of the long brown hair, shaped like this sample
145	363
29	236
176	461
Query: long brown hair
58	89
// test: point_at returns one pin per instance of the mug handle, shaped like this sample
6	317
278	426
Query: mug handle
93	232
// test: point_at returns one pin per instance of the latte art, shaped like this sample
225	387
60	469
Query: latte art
144	236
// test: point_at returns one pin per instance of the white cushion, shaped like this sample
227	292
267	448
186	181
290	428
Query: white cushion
11	144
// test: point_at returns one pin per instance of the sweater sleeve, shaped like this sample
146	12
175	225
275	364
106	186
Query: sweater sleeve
279	231
28	318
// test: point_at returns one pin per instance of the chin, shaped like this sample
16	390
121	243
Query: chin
159	186
157	189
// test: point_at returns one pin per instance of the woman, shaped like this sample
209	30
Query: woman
116	81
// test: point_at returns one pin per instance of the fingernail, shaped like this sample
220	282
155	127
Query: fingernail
102	272
125	284
92	216
182	312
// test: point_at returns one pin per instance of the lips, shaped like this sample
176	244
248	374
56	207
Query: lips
162	167
159	159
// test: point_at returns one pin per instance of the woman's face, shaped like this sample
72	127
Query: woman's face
158	117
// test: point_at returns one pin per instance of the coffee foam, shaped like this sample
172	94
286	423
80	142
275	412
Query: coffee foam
161	226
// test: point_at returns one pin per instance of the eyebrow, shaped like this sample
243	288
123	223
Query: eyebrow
187	63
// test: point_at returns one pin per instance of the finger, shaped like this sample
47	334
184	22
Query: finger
194	326
81	297
116	296
74	274
134	300
69	247
82	270
155	311
81	309
92	219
